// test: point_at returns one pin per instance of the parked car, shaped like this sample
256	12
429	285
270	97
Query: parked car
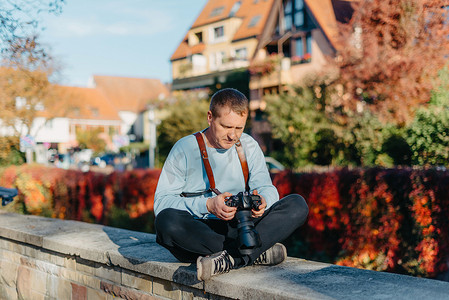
273	165
120	161
104	160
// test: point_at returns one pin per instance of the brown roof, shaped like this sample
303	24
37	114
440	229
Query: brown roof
130	94
184	49
84	103
327	13
247	11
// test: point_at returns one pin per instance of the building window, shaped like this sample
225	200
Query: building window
303	49
254	21
288	15
76	111
294	14
299	13
94	111
218	32
241	53
199	36
235	8
216	11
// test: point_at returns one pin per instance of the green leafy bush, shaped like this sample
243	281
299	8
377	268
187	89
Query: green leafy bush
186	116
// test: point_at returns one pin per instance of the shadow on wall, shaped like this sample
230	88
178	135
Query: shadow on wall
139	248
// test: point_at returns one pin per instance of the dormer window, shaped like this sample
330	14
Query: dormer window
254	21
235	8
199	36
218	32
94	111
76	111
216	11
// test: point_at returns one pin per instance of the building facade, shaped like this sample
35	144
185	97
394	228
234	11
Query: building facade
221	43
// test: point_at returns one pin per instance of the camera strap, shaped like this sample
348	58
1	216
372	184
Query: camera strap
243	163
210	174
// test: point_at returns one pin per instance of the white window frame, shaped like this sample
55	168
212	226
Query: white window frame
213	38
240	49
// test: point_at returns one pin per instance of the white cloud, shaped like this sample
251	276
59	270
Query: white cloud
127	21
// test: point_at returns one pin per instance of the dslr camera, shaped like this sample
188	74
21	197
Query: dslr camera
7	195
248	235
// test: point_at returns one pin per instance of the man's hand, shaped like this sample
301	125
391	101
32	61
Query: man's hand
259	213
217	206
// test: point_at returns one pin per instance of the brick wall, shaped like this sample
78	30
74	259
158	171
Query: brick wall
29	272
43	258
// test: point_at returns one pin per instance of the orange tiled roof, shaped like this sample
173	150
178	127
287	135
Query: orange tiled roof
130	94
323	11
184	49
247	11
84	103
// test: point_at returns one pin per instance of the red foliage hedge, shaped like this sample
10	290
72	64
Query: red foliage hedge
71	194
392	220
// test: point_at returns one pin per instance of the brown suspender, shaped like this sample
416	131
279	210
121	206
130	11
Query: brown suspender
243	162
210	175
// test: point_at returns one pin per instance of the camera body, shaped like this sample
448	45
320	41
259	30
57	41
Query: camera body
244	201
7	195
248	235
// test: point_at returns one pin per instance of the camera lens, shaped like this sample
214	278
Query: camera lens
248	235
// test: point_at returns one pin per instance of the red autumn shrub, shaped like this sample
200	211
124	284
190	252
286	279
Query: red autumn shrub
71	194
394	220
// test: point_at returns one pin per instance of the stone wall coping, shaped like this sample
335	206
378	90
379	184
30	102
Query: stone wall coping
138	252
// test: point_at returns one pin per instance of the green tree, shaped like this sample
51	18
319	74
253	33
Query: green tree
90	139
9	151
315	129
186	116
366	135
428	134
428	137
295	120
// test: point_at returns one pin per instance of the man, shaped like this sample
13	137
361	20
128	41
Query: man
192	220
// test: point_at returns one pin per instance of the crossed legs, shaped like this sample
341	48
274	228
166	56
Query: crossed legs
187	237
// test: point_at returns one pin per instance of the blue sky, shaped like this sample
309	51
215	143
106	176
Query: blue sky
133	38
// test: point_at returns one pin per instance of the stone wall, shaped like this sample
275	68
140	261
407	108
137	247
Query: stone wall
27	272
43	258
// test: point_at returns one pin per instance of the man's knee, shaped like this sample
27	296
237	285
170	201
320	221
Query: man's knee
297	207
167	222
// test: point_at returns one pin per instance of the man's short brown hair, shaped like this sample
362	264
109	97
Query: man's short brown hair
231	98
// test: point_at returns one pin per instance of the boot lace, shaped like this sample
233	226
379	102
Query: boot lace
222	263
262	259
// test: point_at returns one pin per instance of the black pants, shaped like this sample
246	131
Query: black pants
187	237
